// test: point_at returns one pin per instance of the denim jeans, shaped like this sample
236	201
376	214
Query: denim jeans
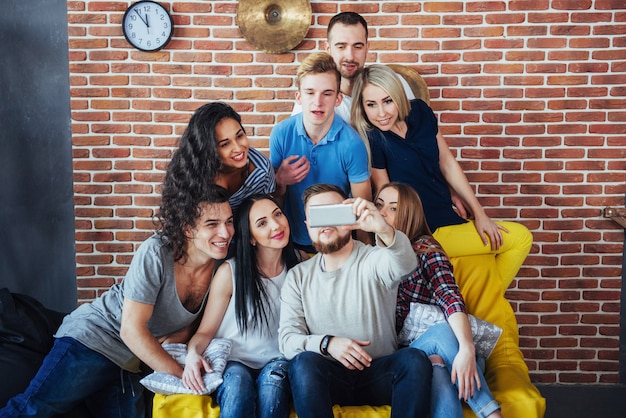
248	392
440	339
71	373
401	379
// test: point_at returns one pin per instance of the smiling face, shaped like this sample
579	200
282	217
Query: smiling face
327	239
269	227
348	46
380	109
212	233
387	204
232	144
319	94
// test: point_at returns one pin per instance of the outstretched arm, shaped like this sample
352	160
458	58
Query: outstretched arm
488	230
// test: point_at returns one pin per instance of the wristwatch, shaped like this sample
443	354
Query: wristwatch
324	344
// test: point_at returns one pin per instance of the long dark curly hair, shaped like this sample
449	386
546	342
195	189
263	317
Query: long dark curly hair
251	300
197	153
180	208
193	168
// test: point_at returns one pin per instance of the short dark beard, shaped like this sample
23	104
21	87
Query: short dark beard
332	247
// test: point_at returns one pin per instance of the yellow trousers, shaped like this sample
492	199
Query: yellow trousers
463	240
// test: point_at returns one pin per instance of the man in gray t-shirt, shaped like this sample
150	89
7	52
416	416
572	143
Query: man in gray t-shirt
337	318
100	346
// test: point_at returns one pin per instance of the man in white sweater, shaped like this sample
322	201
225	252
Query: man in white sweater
337	319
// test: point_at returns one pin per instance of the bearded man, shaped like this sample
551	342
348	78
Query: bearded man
337	318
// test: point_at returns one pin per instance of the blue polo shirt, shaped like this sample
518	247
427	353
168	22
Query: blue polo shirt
415	161
340	158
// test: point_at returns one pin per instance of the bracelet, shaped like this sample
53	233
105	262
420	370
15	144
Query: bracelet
324	344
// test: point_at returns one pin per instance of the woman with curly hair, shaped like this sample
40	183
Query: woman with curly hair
99	347
215	148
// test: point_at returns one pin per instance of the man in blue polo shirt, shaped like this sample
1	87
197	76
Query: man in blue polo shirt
315	146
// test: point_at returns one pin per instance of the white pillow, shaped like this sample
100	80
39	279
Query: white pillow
422	316
167	384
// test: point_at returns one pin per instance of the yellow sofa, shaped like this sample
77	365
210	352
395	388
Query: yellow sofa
506	372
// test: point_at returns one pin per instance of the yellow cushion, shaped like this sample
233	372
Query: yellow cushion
507	373
197	406
184	406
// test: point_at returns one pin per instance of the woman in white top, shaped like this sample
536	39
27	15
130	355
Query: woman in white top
244	306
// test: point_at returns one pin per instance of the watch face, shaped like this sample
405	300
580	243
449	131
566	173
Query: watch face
147	25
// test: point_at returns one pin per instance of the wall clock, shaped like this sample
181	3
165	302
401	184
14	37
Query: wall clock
147	25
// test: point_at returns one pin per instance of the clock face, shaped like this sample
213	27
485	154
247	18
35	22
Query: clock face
147	25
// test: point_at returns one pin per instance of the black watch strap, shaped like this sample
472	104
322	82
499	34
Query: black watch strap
324	344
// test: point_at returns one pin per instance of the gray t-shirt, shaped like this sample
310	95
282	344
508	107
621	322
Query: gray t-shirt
150	279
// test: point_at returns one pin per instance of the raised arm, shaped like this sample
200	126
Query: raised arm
364	191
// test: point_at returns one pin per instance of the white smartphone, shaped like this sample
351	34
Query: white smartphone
331	215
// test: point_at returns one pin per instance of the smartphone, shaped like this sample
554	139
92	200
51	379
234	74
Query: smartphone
331	215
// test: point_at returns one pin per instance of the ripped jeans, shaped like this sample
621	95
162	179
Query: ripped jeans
261	393
440	339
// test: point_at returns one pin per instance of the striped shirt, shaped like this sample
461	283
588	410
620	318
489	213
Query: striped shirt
260	181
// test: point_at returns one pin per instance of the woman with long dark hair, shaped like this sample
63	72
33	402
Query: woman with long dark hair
244	306
215	148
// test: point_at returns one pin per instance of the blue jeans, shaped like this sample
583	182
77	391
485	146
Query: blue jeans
248	392
401	379
440	339
72	373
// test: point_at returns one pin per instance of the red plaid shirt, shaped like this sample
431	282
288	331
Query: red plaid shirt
431	283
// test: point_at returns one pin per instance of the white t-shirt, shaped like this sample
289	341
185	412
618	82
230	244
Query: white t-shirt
257	347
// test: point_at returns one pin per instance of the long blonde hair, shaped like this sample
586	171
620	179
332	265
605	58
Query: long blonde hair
380	76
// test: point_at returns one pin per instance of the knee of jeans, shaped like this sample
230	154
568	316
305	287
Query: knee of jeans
304	361
236	374
275	370
416	359
436	360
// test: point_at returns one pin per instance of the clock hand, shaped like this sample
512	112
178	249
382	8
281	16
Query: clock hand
144	21
147	23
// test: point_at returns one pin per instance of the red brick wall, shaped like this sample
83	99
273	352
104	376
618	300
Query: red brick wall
531	96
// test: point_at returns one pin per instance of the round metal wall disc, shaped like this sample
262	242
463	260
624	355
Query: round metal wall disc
274	26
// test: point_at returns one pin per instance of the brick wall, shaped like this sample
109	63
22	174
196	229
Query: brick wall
531	96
